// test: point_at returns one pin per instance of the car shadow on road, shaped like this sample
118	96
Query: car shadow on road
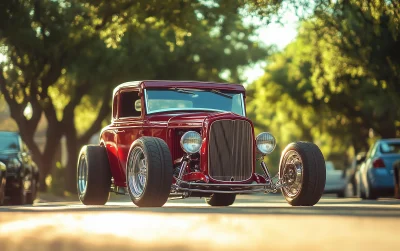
362	209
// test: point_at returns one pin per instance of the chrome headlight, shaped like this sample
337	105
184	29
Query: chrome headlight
265	143
191	142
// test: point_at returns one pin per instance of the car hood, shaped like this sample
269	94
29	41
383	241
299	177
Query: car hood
5	157
181	120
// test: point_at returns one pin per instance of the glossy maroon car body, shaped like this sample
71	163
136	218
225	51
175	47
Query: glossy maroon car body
122	132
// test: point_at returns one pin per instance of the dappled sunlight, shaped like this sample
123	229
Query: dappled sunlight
205	231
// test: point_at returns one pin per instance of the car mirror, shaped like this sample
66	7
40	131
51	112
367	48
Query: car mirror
138	105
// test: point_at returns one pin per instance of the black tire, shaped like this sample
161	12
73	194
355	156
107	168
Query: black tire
18	194
396	173
31	195
98	178
159	172
221	199
361	188
313	173
370	193
2	190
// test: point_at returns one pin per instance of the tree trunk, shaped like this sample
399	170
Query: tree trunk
72	153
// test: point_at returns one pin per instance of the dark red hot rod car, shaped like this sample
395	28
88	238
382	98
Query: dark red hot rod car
172	139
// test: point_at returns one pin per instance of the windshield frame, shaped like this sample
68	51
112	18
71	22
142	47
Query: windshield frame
192	109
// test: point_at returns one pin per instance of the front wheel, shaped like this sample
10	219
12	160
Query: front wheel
149	172
303	171
221	199
18	194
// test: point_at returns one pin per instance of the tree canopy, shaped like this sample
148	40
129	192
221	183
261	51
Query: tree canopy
338	81
64	58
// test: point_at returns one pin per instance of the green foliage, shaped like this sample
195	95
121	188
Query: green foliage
337	81
65	57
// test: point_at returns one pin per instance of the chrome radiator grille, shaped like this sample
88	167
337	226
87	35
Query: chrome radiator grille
230	150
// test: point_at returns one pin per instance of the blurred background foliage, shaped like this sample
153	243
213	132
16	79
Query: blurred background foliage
337	83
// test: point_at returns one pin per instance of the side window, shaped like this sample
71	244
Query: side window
127	107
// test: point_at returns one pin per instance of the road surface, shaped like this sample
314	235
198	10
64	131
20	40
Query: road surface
254	222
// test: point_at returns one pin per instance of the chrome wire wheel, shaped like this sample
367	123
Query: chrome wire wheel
292	174
82	176
137	172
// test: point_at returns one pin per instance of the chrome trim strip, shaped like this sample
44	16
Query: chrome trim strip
224	185
219	191
243	107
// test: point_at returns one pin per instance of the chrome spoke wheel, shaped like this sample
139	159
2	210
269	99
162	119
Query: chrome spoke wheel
82	176
137	172
292	174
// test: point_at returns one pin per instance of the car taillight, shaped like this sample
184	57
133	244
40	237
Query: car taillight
378	163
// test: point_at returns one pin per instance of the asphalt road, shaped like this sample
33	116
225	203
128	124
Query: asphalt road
254	222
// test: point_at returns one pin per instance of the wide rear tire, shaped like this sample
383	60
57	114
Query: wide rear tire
93	175
221	199
149	172
303	169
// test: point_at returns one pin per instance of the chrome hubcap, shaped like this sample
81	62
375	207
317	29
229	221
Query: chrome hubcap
137	172
292	174
82	176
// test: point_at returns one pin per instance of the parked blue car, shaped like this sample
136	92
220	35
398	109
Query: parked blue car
376	176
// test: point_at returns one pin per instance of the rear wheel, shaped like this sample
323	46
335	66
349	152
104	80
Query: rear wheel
370	193
396	168
149	172
221	199
94	175
303	170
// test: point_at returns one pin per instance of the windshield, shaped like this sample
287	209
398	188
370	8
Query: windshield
8	142
178	99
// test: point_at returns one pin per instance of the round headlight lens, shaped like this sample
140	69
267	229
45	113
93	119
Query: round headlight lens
191	142
265	142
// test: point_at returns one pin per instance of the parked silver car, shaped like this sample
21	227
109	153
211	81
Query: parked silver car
334	180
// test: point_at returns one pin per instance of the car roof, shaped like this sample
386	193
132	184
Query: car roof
179	84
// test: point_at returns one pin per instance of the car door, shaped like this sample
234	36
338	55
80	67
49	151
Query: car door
129	125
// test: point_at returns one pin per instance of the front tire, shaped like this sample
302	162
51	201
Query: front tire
303	169
396	168
149	172
221	200
18	194
93	175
